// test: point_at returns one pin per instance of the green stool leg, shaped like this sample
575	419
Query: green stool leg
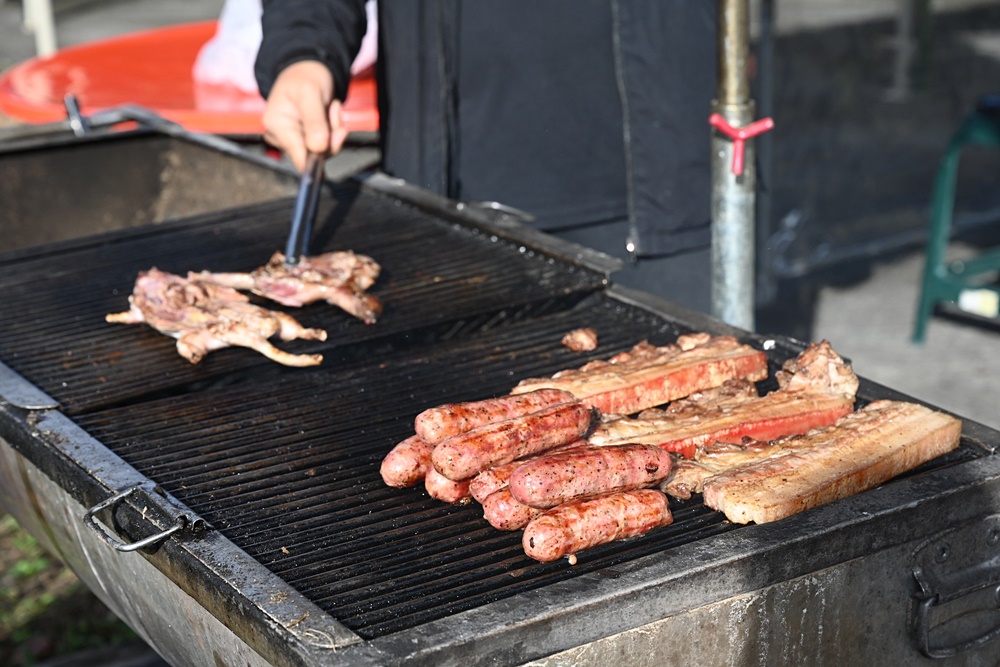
939	233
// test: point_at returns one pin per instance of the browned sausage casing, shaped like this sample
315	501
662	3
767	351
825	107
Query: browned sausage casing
407	463
438	424
441	488
553	479
495	478
587	522
467	454
505	513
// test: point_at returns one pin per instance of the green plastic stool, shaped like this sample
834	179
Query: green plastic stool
943	281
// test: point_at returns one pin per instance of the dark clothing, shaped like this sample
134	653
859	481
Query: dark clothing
577	111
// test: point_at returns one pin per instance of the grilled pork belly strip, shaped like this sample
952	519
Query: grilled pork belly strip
815	389
861	450
553	479
689	477
765	419
588	522
339	278
467	454
437	424
204	317
648	376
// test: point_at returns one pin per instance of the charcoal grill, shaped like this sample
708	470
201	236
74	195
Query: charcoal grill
232	511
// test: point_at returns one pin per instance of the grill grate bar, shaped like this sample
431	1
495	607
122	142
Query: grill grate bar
438	278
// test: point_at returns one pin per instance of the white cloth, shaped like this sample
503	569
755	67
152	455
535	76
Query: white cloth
228	57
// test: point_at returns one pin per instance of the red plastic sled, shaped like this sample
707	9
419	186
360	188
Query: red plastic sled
152	69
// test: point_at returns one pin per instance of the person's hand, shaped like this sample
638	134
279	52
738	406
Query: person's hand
301	114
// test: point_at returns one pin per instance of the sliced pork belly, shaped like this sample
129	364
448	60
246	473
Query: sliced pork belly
861	450
815	389
648	376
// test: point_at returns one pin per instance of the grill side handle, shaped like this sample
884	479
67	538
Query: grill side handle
958	601
150	494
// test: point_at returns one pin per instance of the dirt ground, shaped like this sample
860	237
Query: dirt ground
45	611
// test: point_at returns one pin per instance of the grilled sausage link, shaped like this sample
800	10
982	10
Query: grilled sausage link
441	488
553	479
495	478
588	522
438	424
505	513
467	454
407	463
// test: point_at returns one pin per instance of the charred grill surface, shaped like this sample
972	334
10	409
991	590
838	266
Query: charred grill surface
298	487
440	279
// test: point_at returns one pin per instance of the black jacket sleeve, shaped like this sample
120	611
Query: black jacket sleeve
294	30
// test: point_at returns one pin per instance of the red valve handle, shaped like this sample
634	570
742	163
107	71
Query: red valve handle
739	135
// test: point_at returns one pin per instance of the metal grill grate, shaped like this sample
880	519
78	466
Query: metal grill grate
284	462
439	279
298	487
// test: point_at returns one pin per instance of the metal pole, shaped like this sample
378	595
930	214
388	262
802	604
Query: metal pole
732	194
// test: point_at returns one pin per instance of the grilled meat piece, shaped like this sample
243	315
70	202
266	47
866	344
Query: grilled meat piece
339	278
435	425
441	488
204	316
815	389
505	512
581	340
689	476
407	463
647	376
861	450
553	479
467	454
580	524
496	477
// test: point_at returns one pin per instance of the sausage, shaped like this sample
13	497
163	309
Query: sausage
407	463
467	454
587	522
553	479
494	478
441	488
505	513
438	424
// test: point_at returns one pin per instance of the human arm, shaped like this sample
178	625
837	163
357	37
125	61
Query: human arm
303	68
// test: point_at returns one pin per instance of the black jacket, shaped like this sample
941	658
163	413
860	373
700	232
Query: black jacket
577	111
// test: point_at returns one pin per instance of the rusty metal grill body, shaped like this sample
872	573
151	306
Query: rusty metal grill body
280	466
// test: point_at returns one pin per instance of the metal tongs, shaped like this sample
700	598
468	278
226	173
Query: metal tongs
306	203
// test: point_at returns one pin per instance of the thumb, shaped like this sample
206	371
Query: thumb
338	133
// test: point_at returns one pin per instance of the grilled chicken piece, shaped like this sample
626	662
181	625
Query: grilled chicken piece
815	389
203	317
339	278
647	376
860	451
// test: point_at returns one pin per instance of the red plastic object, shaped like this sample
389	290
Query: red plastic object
152	69
739	135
